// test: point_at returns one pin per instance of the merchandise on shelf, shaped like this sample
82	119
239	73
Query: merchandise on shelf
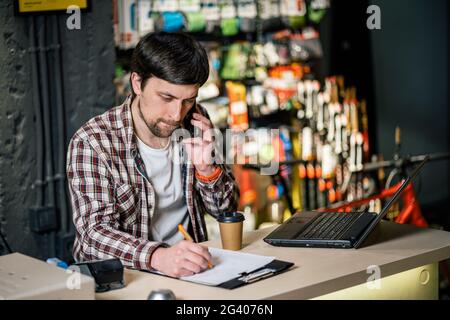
126	23
262	59
238	105
135	18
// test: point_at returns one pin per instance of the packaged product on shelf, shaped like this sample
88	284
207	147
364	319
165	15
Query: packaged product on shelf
218	111
317	10
275	205
194	19
127	24
165	5
247	13
234	63
270	14
271	54
282	80
238	105
266	153
229	23
211	88
262	100
170	21
248	198
146	18
305	46
211	11
293	13
189	5
286	171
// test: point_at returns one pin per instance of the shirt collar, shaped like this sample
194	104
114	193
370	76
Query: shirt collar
127	125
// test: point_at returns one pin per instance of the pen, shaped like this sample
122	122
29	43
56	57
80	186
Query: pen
188	237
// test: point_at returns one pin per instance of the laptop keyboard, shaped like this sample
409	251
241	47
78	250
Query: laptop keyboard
329	225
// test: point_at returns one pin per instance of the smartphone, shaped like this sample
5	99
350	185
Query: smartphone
193	130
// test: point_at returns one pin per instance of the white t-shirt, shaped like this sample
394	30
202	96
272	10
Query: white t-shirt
164	172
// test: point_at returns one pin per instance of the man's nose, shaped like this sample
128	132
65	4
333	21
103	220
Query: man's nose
176	112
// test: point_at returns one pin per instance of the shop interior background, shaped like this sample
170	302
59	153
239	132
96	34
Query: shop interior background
53	79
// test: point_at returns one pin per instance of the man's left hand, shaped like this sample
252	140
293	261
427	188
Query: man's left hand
200	148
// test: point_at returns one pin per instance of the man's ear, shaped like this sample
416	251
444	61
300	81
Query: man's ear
136	81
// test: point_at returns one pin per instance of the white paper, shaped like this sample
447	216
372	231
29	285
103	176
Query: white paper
228	265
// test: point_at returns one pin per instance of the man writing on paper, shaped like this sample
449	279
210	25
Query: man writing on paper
128	192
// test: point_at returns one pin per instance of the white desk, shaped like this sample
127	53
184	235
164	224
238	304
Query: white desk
407	257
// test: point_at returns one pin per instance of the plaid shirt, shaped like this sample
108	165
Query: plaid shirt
113	201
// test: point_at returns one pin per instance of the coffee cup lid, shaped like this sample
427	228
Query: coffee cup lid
227	217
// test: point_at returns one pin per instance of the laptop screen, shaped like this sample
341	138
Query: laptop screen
391	202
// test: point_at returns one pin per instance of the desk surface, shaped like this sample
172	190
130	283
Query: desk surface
392	247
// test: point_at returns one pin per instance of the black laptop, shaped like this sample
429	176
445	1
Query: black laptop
332	229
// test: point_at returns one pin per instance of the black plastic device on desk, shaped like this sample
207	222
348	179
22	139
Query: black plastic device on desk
108	274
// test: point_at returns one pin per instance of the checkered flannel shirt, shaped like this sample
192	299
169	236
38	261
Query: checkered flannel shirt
113	201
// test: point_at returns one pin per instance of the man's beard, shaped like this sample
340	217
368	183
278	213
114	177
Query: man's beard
156	130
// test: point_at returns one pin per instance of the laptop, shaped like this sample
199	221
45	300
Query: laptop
333	229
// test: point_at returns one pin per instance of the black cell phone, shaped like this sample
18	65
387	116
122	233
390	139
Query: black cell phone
193	130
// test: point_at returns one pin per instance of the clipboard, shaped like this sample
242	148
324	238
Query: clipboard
272	269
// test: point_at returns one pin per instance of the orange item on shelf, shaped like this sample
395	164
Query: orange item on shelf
238	105
302	171
286	72
310	171
246	186
322	185
272	193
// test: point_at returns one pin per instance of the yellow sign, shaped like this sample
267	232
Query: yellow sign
26	6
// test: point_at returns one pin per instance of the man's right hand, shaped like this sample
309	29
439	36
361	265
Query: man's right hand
183	259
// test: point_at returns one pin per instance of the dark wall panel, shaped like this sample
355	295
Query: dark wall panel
88	69
410	65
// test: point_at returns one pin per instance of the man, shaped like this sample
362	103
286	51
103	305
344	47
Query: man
128	193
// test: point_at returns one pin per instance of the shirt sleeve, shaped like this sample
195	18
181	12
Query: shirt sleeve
94	211
220	195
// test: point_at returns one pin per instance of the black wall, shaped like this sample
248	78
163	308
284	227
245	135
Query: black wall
411	81
88	71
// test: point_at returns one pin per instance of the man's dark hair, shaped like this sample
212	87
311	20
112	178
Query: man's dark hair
174	57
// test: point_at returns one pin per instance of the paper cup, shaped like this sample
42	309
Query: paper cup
231	224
